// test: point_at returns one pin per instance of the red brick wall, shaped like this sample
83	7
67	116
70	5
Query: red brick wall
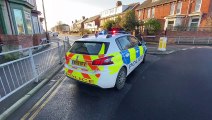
37	38
163	10
189	33
184	9
23	40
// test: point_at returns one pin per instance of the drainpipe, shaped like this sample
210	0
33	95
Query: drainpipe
9	15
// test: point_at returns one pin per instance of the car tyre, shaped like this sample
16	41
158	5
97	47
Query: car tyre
144	59
121	78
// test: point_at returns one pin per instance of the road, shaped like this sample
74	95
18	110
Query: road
172	87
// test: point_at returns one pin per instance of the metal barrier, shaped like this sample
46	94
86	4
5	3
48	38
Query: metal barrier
29	66
192	40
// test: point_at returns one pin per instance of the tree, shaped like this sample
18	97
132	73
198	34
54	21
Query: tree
152	25
129	21
59	26
117	22
108	24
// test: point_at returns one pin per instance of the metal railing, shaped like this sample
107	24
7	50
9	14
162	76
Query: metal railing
192	40
28	67
193	29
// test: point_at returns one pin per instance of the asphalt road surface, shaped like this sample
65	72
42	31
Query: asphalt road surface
172	87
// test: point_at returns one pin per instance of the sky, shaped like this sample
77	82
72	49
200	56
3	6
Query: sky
69	10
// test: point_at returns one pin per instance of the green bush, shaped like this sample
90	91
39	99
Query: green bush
108	24
152	26
86	31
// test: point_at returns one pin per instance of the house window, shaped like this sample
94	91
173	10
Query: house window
172	9
194	22
139	14
170	24
149	13
35	24
153	12
198	5
179	6
28	22
19	21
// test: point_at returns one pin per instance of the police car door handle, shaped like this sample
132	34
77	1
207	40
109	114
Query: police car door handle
127	55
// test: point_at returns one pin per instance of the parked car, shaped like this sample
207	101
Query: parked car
104	62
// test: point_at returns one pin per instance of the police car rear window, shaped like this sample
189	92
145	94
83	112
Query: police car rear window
89	48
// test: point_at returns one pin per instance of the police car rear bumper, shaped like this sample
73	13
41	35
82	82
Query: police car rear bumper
105	80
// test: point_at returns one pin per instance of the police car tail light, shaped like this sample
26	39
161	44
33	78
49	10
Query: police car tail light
67	58
103	61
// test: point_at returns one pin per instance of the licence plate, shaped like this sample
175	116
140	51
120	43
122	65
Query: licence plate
78	63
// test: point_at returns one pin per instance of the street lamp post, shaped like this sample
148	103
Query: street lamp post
44	14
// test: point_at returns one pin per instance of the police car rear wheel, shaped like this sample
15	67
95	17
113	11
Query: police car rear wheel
121	78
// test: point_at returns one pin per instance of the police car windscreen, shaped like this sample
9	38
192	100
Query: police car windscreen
89	48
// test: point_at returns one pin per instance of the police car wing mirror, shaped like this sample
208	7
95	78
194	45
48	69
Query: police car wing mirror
139	43
143	43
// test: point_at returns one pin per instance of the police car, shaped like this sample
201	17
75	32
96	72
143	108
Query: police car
104	61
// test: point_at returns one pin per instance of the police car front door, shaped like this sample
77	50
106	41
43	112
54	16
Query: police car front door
128	53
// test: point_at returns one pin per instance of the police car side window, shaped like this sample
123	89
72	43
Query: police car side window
133	40
123	43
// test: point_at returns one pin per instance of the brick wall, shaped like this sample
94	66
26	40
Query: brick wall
189	33
163	10
37	38
23	40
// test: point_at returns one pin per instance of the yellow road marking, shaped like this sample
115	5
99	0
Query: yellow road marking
41	100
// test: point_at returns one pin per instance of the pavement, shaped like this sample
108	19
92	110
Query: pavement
171	48
17	74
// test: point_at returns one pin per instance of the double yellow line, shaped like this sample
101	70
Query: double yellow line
34	111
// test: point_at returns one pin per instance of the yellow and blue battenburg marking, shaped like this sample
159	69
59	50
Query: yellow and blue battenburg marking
132	54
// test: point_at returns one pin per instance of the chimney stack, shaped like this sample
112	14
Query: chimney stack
83	17
118	3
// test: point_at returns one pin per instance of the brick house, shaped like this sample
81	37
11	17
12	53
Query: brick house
177	13
92	23
20	24
118	11
78	25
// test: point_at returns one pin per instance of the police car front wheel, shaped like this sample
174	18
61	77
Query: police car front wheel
144	59
121	78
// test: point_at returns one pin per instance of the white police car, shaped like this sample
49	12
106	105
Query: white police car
104	61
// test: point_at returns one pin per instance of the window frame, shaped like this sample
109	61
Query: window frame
172	5
194	22
35	24
149	13
16	25
153	12
30	22
180	9
200	5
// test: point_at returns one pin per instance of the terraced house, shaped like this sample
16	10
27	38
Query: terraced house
118	11
173	14
20	23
